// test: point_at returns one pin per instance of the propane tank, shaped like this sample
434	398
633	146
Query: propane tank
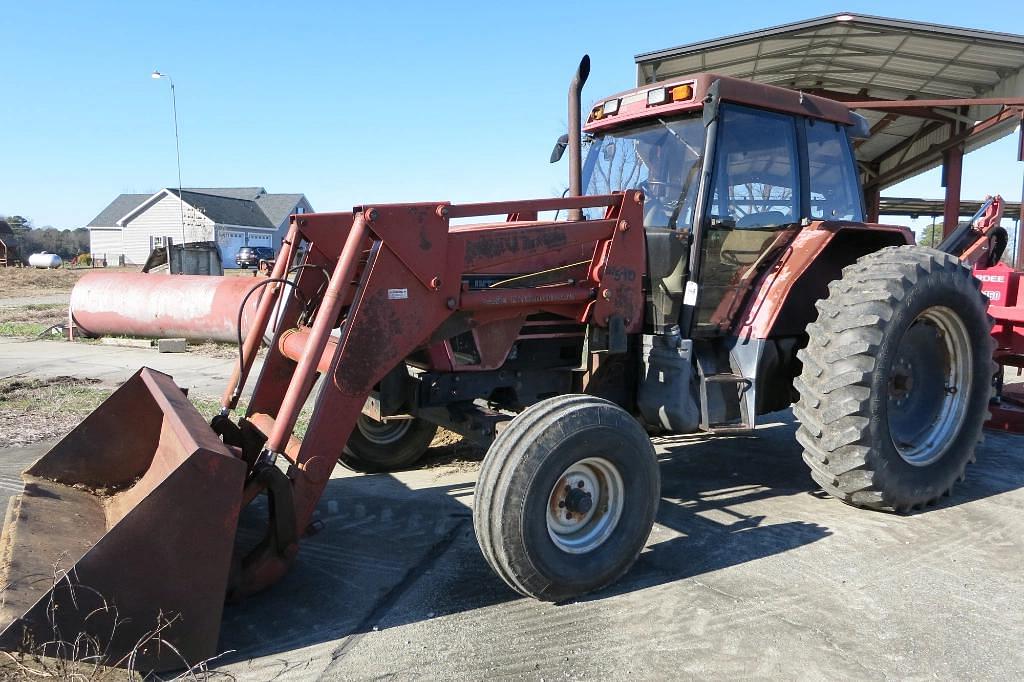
45	260
193	307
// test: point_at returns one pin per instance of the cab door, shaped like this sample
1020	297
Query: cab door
754	209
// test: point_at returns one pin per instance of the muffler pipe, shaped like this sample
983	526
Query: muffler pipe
576	134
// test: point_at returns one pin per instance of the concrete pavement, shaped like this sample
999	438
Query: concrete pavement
45	299
111	364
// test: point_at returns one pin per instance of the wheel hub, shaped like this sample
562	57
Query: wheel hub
585	505
924	404
578	502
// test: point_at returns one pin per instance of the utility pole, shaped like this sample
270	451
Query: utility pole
177	148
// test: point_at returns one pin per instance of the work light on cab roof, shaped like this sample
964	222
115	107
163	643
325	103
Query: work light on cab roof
636	103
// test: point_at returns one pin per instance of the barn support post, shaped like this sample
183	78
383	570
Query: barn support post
1018	261
872	202
952	173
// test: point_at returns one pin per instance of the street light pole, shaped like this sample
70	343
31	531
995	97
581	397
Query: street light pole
177	148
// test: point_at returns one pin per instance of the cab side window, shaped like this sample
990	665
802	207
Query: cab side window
757	179
834	191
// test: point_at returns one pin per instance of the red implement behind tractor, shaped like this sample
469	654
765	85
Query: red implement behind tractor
715	266
1002	285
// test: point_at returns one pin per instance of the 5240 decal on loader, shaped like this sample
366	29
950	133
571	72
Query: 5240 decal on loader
714	267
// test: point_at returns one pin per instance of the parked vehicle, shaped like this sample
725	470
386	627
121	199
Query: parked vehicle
250	256
715	266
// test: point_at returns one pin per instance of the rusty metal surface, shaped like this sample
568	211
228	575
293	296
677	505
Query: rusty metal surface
271	293
776	288
633	103
144	497
125	524
194	307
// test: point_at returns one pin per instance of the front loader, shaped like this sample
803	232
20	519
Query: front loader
714	267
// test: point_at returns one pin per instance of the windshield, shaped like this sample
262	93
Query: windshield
662	159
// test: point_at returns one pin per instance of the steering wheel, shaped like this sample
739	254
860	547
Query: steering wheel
656	189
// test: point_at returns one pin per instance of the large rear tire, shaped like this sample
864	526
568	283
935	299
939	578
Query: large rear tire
566	497
387	446
896	380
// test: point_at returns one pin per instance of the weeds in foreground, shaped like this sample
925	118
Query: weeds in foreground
87	656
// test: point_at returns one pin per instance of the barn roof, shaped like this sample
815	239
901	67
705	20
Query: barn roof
855	57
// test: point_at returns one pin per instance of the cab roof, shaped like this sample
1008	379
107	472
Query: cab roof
633	105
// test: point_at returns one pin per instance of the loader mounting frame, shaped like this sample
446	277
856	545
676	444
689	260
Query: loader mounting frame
399	281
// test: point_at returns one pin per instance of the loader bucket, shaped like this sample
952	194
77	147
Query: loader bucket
120	545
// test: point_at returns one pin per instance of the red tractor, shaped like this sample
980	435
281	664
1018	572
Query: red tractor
714	267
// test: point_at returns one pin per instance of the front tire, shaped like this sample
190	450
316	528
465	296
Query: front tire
896	380
566	497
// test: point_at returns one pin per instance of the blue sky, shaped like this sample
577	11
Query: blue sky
368	102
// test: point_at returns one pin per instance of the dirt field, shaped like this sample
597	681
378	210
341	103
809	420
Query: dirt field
32	410
27	282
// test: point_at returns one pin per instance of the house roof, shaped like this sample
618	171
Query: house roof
861	58
248	193
226	210
277	207
117	209
249	206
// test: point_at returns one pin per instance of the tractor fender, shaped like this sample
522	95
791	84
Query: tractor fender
782	303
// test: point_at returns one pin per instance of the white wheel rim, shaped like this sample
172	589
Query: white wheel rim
585	505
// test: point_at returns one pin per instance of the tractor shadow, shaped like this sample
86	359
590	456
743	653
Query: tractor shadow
394	553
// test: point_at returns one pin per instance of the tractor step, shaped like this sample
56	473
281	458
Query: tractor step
723	408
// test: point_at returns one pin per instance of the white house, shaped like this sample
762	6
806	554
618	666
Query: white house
134	224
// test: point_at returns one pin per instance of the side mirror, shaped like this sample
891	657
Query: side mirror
560	146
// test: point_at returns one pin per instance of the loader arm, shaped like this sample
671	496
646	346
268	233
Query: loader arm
398	284
981	240
398	278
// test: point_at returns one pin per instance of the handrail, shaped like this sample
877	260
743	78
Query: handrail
553	204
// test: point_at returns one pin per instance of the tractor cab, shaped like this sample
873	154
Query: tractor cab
731	169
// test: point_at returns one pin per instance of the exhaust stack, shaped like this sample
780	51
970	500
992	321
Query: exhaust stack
576	134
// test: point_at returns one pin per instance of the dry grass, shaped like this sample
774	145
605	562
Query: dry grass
217	349
31	320
88	657
32	410
30	281
18	282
